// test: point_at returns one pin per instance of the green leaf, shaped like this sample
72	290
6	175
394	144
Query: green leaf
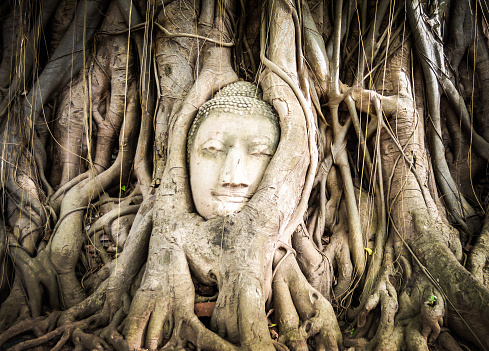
123	188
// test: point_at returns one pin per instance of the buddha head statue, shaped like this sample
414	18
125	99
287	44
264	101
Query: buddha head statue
230	143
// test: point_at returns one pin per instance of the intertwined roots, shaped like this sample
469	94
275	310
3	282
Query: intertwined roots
363	218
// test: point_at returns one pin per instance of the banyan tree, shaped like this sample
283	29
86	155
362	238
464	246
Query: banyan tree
244	175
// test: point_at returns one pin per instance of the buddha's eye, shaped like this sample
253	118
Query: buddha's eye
212	147
261	150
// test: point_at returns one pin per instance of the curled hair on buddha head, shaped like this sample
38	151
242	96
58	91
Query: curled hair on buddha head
241	98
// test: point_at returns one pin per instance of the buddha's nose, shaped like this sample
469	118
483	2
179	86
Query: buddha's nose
234	172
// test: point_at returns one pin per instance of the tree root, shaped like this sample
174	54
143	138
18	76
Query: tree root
403	305
65	331
479	257
111	334
383	295
84	341
66	243
131	259
302	312
463	293
191	330
410	318
151	316
35	272
65	325
39	325
316	266
448	342
15	307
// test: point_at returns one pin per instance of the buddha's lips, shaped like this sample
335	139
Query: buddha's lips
232	197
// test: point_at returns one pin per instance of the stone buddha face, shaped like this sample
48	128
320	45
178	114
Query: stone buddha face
229	147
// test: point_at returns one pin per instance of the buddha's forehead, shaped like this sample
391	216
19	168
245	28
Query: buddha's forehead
241	99
226	126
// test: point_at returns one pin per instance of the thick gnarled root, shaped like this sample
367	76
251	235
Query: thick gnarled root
149	318
15	307
158	314
190	330
39	326
34	276
63	326
384	296
301	311
393	321
239	313
479	258
425	326
163	294
38	273
163	307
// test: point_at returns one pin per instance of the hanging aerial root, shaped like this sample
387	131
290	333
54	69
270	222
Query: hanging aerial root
340	157
430	51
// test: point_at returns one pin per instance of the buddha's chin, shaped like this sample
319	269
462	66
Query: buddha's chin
225	208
